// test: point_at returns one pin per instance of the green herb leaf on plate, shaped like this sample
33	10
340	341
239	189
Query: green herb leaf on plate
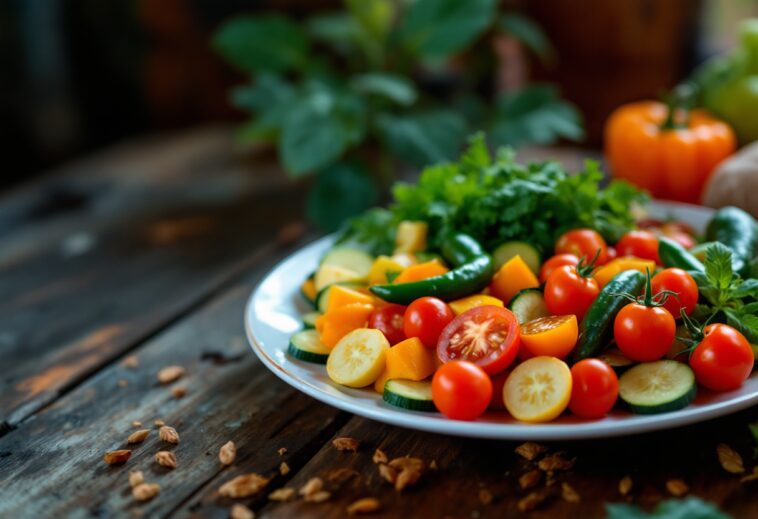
718	266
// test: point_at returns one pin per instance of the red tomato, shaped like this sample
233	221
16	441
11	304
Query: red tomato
568	292
559	260
640	244
487	336
644	333
389	320
674	232
461	390
497	403
612	253
679	281
583	243
723	360
425	318
594	390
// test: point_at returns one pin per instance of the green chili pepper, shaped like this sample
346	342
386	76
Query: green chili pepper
473	269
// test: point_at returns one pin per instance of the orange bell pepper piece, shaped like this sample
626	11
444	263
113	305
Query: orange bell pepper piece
467	303
340	295
407	360
421	271
514	276
605	273
334	325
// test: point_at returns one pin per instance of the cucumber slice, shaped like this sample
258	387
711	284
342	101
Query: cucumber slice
309	320
322	298
407	394
657	387
617	360
528	253
528	304
329	274
305	345
351	259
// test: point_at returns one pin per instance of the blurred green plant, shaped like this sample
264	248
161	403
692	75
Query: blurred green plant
383	82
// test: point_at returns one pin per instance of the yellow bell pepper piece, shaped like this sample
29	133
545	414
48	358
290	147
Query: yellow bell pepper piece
467	303
340	295
381	266
606	272
411	236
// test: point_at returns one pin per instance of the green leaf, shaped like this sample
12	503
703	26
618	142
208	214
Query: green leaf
391	86
745	323
535	115
320	127
689	508
338	30
374	16
423	138
373	231
529	33
340	191
435	29
748	288
270	99
718	266
262	43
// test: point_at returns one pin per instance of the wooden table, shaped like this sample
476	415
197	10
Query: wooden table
149	251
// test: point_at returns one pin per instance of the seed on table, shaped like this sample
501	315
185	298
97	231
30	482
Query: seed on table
146	491
379	457
166	459
529	479
245	485
312	486
117	457
227	453
569	494
168	434
677	487
625	485
138	436
318	497
530	450
365	505
130	362
282	451
284	469
170	374
282	494
485	496
345	444
178	392
136	478
730	459
239	511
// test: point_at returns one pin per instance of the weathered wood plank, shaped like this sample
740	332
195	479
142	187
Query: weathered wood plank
164	227
52	465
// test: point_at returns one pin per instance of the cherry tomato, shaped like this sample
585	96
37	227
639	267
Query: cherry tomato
559	260
644	333
389	320
554	336
497	403
487	336
723	360
425	318
640	244
594	390
461	390
583	243
675	232
612	254
679	281
568	292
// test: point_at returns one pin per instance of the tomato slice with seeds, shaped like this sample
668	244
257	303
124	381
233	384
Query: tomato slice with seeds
487	336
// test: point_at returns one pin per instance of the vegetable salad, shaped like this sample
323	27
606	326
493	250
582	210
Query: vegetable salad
486	286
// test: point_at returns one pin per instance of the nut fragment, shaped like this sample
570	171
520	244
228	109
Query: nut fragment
345	444
341	474
136	478
138	436
312	486
407	463
168	434
170	374
227	453
531	501
117	457
135	423
730	459
178	392
529	479
625	485
282	451
365	505
406	478
245	485
388	473
159	423
677	487
130	362
379	457
282	494
553	462
530	450
485	496
166	459
318	497
145	491
750	477
569	494
433	465
122	382
240	511
284	469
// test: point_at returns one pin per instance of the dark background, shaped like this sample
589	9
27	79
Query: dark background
78	75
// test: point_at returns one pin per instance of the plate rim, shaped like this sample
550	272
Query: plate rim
602	428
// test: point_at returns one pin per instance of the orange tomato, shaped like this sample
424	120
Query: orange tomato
672	163
554	336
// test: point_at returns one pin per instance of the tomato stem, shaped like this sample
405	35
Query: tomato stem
679	103
586	270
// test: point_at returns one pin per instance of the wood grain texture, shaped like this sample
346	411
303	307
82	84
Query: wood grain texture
148	233
52	466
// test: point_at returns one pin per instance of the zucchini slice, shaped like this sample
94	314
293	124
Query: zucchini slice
528	304
617	360
309	320
305	345
355	260
358	358
408	394
528	253
657	387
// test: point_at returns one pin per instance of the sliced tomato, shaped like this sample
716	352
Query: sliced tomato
555	335
487	336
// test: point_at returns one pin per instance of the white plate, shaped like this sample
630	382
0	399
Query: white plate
273	315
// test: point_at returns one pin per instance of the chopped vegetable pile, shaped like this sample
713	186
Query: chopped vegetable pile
522	289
